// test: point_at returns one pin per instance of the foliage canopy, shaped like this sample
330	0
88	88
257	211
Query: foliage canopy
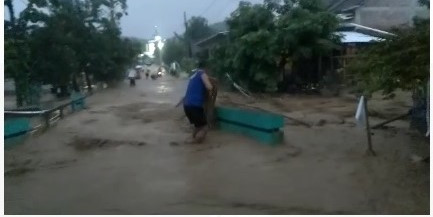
400	62
265	38
54	41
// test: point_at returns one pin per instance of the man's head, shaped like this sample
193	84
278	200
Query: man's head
201	64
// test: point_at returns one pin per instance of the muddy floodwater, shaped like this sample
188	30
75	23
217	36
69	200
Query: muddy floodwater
126	154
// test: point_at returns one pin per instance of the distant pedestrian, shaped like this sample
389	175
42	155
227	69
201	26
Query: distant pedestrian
138	73
132	76
147	74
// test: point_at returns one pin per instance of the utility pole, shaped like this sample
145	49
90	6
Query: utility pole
187	39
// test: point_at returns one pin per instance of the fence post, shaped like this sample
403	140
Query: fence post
61	112
370	150
46	116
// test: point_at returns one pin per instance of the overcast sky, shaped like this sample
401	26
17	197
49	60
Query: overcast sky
143	15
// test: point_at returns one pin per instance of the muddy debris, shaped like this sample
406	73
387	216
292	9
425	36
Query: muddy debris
293	151
64	162
174	144
146	120
98	111
18	171
23	163
84	144
89	121
205	147
321	122
146	112
288	153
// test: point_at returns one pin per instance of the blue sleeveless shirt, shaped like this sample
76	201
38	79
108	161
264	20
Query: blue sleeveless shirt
195	91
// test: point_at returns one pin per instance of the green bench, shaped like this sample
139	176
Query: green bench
262	126
16	127
77	101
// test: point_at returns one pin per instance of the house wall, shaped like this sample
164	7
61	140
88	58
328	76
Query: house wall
386	14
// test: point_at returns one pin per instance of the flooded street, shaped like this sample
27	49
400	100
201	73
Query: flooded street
125	154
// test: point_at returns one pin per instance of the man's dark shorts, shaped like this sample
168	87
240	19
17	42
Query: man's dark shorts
195	115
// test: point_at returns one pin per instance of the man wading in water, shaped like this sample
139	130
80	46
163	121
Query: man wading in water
194	100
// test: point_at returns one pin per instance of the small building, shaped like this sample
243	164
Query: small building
204	46
354	37
378	14
152	44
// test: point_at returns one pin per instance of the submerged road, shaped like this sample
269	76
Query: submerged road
125	155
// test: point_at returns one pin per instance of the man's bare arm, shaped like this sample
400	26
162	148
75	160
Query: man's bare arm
206	81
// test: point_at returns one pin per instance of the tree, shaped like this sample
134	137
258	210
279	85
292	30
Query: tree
251	54
17	54
178	47
265	38
198	29
400	62
173	50
54	41
305	34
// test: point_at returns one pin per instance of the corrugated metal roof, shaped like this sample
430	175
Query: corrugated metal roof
204	41
356	37
353	27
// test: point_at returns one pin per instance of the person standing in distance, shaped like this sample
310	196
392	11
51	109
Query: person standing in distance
194	100
132	75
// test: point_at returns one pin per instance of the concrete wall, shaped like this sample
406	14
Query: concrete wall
386	14
389	3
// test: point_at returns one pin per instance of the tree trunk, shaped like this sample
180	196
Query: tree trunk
281	67
10	7
21	89
319	70
418	111
75	86
88	82
19	98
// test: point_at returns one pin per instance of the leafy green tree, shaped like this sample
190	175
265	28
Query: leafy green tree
173	50
198	29
252	51
265	38
54	41
305	33
17	54
400	62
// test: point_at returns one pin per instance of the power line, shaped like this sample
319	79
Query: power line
228	4
218	9
208	7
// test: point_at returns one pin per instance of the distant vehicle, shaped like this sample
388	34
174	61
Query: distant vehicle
159	73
